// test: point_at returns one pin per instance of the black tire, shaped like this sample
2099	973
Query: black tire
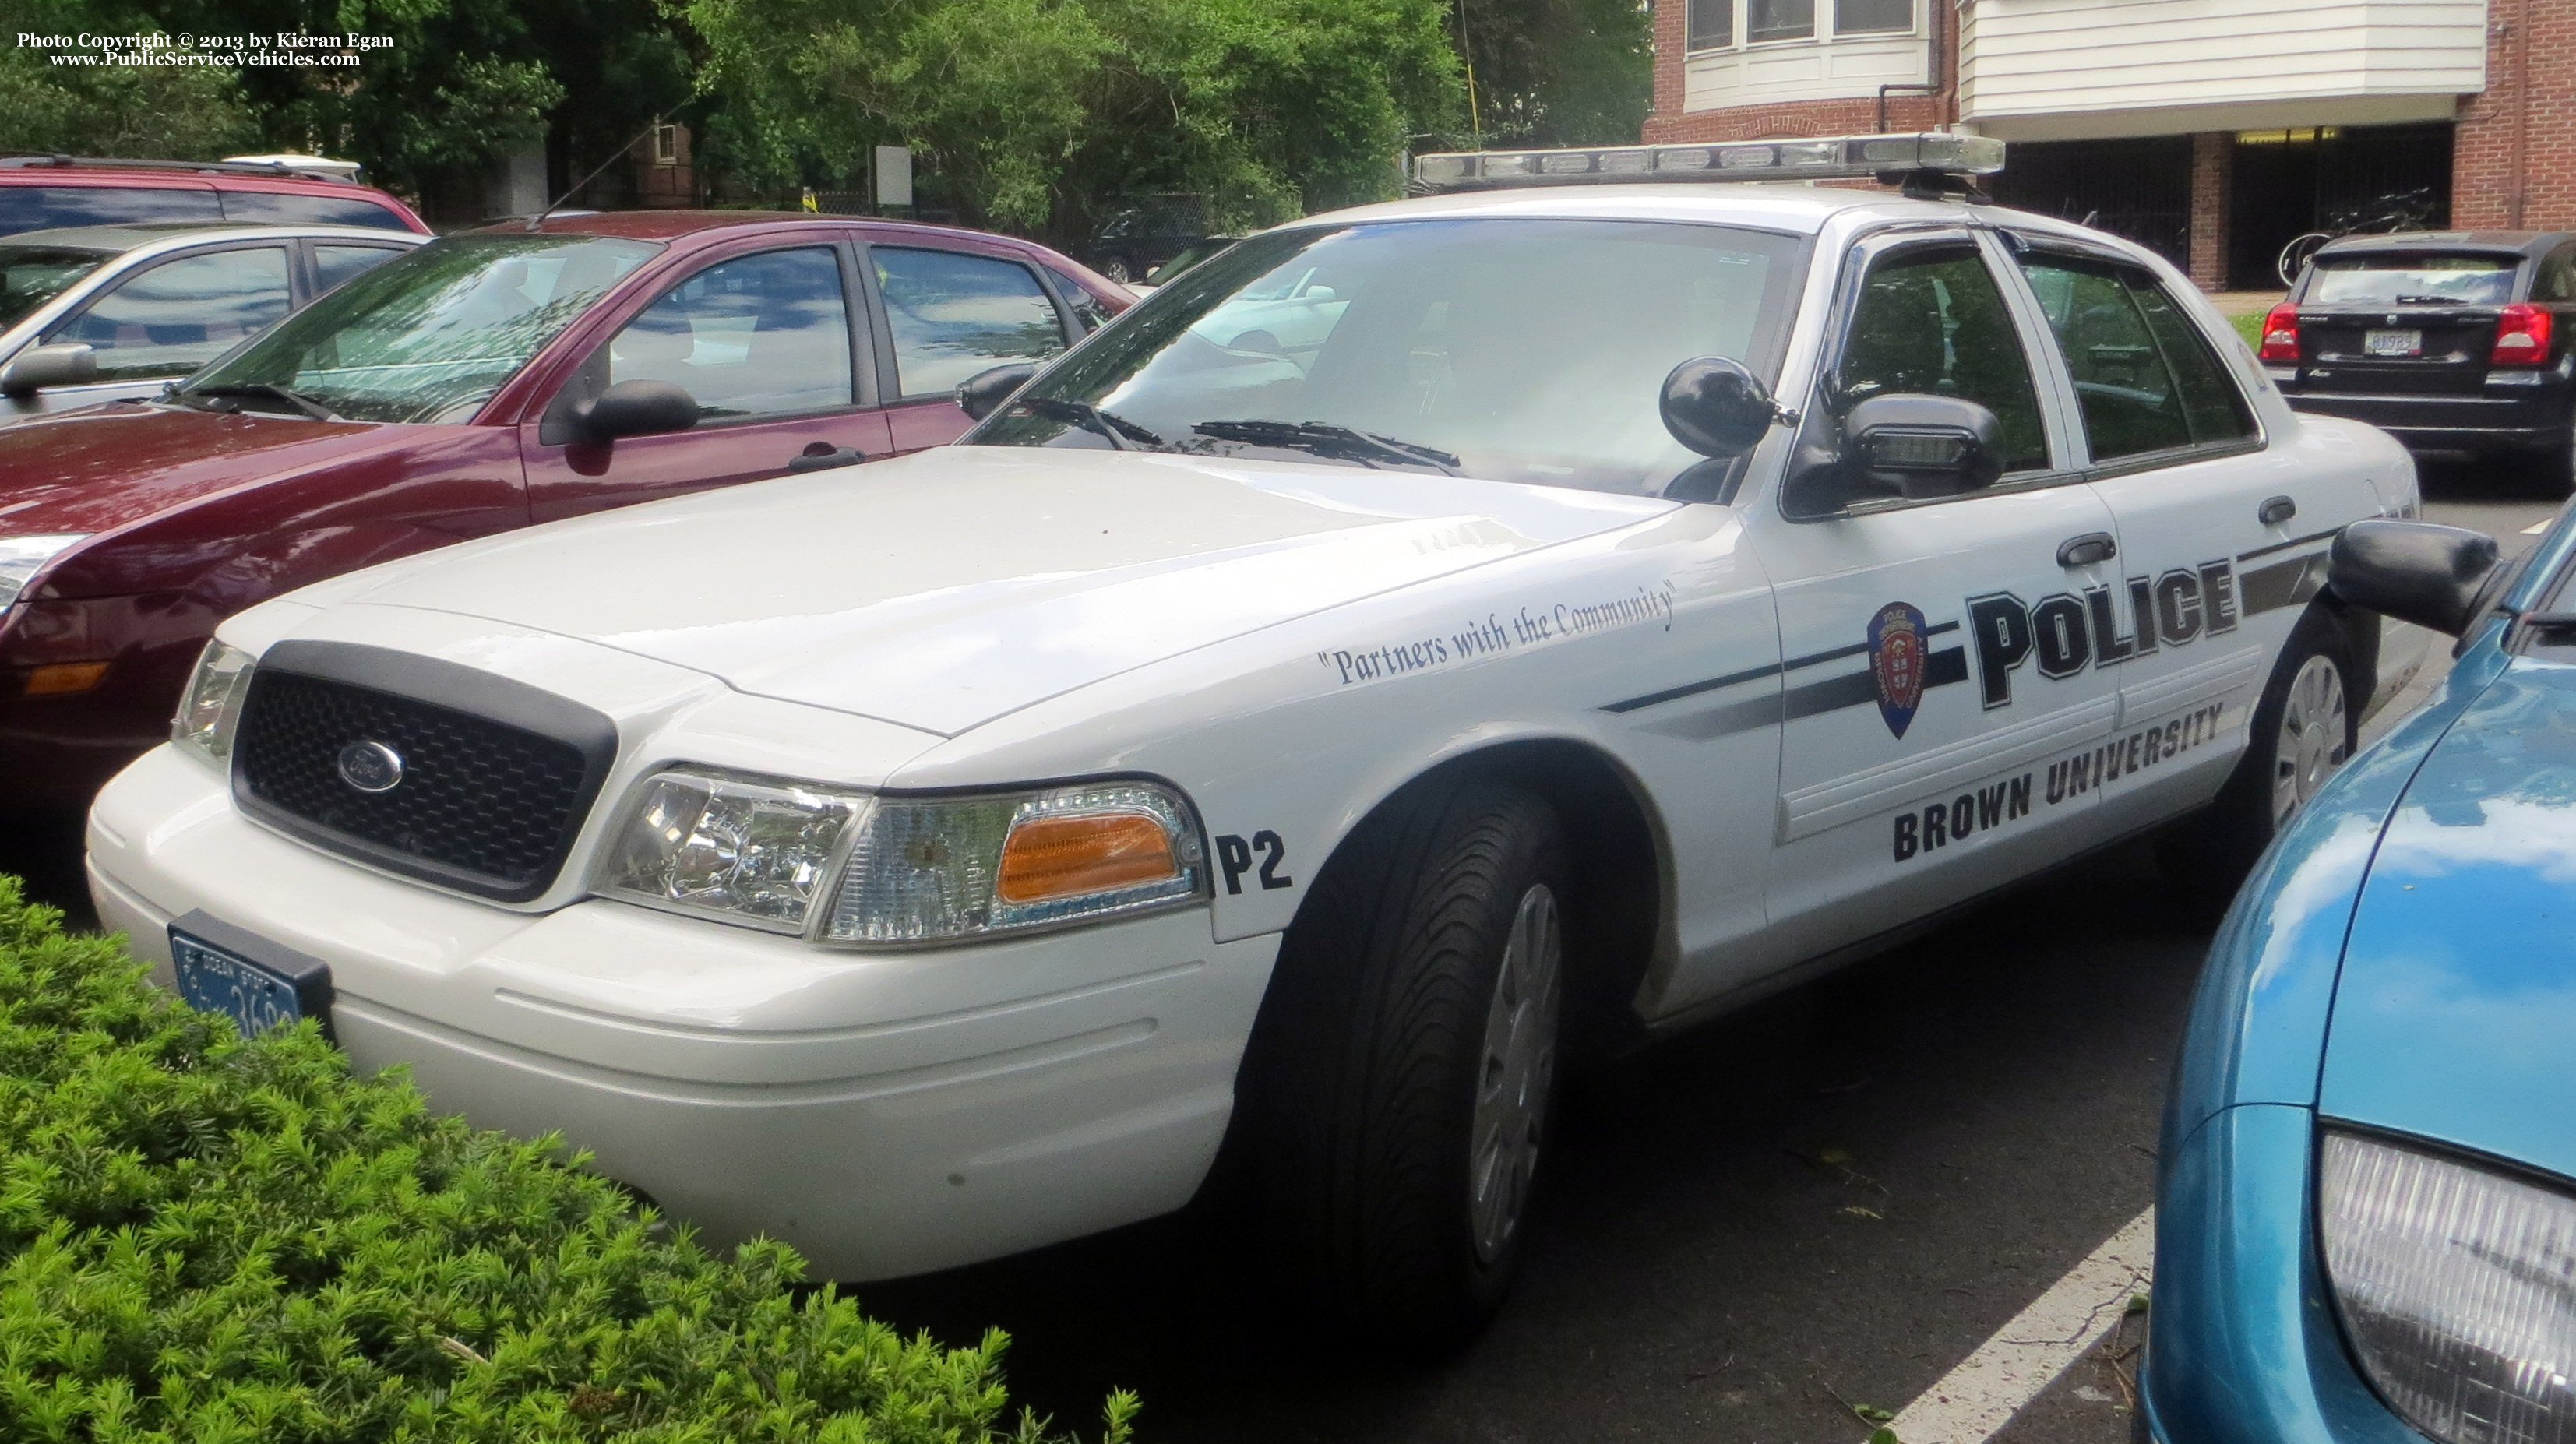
2208	854
1362	1083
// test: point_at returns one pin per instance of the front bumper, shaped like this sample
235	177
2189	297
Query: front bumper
885	1113
2243	1346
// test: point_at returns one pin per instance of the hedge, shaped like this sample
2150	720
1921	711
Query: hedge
220	1241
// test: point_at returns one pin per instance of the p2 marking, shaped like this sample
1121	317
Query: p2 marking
1234	858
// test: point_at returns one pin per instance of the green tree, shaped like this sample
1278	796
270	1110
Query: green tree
1034	115
182	114
1558	72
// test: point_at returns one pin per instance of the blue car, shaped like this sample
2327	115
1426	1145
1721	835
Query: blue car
2366	1223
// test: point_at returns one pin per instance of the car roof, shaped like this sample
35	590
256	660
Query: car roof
1791	206
119	239
672	225
48	170
2520	243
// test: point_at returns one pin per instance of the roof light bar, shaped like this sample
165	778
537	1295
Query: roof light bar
1828	157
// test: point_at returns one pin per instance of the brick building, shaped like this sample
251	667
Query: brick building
2212	130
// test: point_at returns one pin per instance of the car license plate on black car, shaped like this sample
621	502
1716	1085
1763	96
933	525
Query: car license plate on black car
256	995
2393	343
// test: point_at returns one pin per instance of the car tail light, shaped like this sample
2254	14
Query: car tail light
2281	333
2522	335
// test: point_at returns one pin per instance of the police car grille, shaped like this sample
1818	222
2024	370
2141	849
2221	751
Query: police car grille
482	798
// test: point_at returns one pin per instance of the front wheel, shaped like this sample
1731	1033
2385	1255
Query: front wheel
2304	728
1398	1087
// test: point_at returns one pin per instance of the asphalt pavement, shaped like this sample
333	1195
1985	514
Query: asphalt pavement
1761	1231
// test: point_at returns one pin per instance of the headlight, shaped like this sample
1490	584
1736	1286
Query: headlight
933	870
749	850
2458	1288
211	706
20	556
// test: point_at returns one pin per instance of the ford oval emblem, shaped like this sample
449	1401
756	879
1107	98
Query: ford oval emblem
371	767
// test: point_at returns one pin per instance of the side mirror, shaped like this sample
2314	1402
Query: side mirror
2414	571
983	393
1924	446
1716	407
635	408
64	363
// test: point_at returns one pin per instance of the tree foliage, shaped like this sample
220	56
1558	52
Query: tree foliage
190	114
206	1240
1558	72
1034	114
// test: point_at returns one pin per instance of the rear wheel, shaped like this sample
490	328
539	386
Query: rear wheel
2304	728
1399	1084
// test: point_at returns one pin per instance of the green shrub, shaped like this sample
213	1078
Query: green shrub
211	1240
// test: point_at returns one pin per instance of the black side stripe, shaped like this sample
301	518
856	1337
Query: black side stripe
2282	584
1755	674
1860	688
2310	539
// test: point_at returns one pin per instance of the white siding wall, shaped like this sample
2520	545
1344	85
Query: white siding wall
2037	68
1804	70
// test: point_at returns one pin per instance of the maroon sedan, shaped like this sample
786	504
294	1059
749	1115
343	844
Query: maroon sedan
483	382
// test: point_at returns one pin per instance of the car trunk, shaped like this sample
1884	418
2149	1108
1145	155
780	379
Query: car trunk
2404	323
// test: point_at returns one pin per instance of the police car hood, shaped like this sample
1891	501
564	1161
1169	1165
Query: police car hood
945	589
2453	1015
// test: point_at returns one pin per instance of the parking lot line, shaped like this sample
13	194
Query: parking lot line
2025	1356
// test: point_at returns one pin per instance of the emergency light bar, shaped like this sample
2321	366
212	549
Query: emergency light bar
1831	157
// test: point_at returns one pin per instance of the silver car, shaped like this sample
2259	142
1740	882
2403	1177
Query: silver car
102	313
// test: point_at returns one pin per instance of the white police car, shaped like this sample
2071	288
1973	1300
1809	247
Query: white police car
1420	641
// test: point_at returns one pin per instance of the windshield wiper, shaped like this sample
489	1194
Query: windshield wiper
241	390
1325	438
1121	433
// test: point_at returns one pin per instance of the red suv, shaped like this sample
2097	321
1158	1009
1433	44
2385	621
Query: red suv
49	192
485	381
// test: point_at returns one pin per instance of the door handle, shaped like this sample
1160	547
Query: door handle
823	456
2085	550
2276	511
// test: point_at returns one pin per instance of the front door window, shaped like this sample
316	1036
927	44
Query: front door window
179	315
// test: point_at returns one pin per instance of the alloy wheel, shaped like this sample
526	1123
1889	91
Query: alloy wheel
1516	1072
2312	744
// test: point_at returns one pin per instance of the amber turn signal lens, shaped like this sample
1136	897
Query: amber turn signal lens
1078	853
61	679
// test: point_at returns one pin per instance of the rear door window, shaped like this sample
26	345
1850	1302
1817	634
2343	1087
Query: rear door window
36	208
2412	278
953	314
2145	378
273	207
179	315
335	264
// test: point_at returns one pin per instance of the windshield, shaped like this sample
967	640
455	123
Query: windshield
32	275
2417	278
431	336
1510	350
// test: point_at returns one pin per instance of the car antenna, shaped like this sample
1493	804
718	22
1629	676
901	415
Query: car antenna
539	218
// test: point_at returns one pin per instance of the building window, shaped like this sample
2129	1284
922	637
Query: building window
666	145
1779	19
1873	17
1709	24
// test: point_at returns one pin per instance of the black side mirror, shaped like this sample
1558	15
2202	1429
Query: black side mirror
983	393
1716	407
1924	446
2414	571
64	363
635	408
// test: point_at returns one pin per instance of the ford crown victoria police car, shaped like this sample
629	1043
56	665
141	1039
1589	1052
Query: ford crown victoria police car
1422	639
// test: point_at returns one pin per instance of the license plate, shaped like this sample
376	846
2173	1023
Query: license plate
259	993
2393	343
